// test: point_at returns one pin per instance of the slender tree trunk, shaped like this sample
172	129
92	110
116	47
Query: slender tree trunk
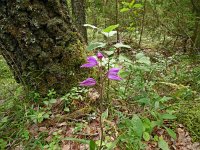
79	14
142	23
40	44
196	35
117	18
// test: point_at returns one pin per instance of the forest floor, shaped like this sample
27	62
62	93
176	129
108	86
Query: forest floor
28	121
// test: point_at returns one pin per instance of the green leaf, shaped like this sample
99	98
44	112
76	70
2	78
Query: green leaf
95	45
146	136
157	105
89	25
4	119
131	4
109	34
155	123
123	58
109	53
141	58
124	74
92	145
67	109
137	6
165	99
46	102
112	145
124	9
77	140
125	3
53	101
110	28
104	115
162	144
137	125
144	101
171	132
168	116
120	45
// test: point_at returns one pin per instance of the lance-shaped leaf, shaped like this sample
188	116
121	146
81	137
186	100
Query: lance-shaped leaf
109	34
110	28
95	45
121	45
89	25
124	9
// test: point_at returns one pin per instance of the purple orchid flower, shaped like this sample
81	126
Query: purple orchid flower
99	55
112	74
88	82
91	62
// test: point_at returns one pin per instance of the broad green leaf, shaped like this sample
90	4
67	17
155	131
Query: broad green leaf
146	136
137	6
92	145
124	9
157	105
163	144
139	55
110	28
137	125
95	45
104	115
109	34
144	101
141	58
46	102
120	45
155	123
53	101
123	58
109	53
89	25
168	116
171	132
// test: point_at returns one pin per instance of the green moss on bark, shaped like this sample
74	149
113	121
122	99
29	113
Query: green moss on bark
41	46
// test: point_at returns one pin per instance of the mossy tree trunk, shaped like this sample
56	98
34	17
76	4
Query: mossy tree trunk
79	14
40	44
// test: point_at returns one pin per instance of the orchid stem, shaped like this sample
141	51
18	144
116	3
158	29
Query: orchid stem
101	105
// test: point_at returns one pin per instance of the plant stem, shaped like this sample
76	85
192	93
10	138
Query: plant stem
101	105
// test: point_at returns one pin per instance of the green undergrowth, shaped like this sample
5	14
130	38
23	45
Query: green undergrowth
187	74
154	92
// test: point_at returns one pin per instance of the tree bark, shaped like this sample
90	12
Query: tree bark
40	44
196	35
79	14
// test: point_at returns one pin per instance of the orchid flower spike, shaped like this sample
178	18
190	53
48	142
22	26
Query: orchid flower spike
99	55
112	74
88	82
91	62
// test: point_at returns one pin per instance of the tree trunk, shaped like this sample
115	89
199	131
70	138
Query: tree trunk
78	12
196	35
40	44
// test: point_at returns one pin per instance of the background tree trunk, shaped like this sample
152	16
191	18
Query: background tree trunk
196	35
79	14
40	44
